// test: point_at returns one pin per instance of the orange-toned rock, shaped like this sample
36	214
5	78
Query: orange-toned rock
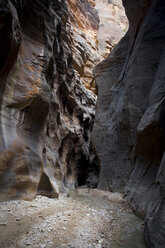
96	27
48	50
46	113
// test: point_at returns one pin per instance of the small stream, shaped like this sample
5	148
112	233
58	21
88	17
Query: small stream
128	228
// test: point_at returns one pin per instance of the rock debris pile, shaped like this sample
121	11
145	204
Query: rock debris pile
81	221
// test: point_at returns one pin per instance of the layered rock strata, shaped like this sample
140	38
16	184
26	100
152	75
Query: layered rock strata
129	126
112	26
96	26
84	25
48	50
46	113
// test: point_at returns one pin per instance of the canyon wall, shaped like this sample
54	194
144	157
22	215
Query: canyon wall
48	50
46	113
96	26
129	126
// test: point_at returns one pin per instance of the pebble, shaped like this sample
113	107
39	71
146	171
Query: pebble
43	246
98	246
28	243
3	224
90	228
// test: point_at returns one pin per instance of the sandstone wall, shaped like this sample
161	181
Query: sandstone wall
129	125
96	26
46	113
48	50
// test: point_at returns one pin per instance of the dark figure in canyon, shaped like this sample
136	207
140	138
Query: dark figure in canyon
88	183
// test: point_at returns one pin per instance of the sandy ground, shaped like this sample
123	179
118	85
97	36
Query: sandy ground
98	219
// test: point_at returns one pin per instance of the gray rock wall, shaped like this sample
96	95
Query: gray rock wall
129	126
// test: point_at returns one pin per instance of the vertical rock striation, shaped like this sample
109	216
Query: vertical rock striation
113	25
96	26
25	94
129	126
46	113
84	22
48	50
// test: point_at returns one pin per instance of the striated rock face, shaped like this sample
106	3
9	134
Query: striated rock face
48	50
96	26
46	113
113	25
84	22
129	127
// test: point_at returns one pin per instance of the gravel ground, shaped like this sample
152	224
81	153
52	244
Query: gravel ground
95	220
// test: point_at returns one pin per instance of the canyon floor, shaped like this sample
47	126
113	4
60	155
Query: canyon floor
82	220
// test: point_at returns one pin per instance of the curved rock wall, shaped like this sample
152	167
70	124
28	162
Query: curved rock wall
129	126
46	113
47	52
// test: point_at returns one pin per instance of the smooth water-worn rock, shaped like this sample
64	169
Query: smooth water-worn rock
46	113
48	50
129	126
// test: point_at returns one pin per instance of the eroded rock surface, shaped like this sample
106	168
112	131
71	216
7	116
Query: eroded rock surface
46	112
96	27
48	50
112	26
129	126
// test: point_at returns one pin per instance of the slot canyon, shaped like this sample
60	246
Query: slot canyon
82	97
